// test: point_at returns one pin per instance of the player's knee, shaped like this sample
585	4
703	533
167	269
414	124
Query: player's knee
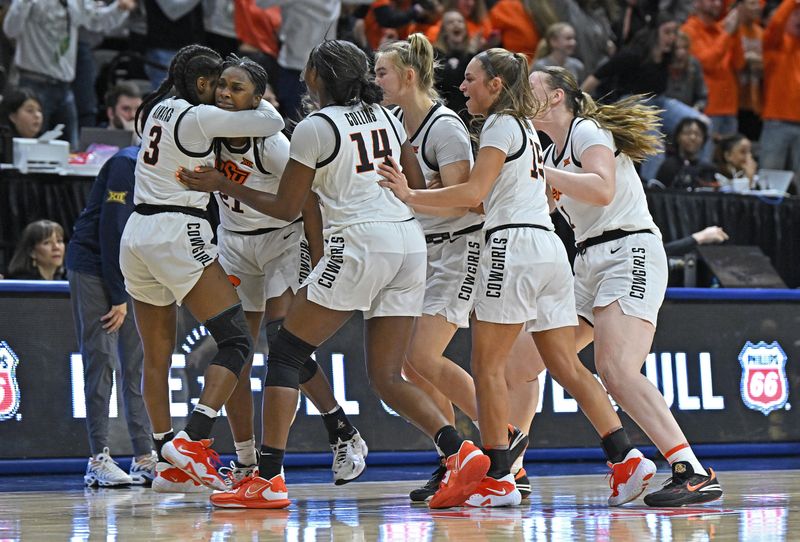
308	370
229	329
287	356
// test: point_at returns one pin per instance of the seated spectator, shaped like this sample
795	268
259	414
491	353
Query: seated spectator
453	53
122	101
683	166
476	17
685	82
40	253
522	23
736	167
557	48
21	111
780	137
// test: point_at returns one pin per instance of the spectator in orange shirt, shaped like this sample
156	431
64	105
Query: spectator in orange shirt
718	48
257	30
780	138
476	16
751	34
521	23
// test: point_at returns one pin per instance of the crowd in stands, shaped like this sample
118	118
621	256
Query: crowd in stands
726	74
734	66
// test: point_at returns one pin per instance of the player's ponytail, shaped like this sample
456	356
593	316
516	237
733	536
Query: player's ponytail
515	97
416	53
188	64
633	124
370	92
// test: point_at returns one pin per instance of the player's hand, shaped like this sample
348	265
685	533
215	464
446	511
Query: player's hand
435	181
202	179
394	179
710	235
115	317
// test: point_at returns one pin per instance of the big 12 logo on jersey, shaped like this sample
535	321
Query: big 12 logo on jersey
9	389
764	384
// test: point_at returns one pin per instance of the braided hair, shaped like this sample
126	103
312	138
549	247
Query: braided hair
256	72
345	72
189	63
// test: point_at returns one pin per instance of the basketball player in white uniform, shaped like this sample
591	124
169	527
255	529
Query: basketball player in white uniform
525	280
374	262
267	259
167	257
441	141
621	269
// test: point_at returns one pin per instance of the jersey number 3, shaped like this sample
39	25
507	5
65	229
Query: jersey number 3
380	149
150	156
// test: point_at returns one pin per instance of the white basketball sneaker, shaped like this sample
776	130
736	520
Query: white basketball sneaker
103	471
629	477
349	459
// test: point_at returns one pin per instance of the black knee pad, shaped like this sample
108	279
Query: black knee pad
272	330
287	356
229	329
309	368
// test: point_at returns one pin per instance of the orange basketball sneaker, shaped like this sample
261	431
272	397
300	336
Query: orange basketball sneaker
465	470
629	477
171	479
254	492
492	492
195	458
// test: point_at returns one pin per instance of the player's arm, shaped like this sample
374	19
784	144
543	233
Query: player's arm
212	122
596	186
286	205
469	194
312	225
451	175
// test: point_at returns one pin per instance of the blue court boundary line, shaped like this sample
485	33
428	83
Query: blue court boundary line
673	294
388	459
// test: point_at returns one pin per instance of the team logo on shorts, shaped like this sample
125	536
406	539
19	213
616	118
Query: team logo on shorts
764	384
9	389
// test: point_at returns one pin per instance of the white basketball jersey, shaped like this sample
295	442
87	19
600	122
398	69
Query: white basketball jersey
518	195
345	144
259	165
440	140
161	155
627	211
162	152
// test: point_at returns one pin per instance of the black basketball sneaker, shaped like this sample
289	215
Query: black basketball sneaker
424	493
685	487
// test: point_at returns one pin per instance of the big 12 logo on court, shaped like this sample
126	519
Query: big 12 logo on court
764	384
9	389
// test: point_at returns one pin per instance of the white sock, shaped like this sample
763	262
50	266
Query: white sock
246	452
206	410
160	436
684	452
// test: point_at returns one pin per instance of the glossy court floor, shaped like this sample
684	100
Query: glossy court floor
759	505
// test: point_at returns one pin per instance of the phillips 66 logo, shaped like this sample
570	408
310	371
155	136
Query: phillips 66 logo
764	384
9	389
